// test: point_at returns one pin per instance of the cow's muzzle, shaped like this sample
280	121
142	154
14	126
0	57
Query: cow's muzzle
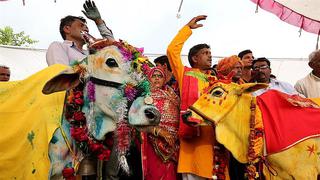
189	120
152	115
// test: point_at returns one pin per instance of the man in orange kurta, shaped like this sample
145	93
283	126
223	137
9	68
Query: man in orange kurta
196	145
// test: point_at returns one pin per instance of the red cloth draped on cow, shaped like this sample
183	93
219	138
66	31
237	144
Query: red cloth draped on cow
287	120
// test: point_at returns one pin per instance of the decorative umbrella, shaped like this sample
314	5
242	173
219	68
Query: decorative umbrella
301	13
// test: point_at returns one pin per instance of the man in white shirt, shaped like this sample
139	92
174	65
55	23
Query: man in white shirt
310	85
261	73
70	29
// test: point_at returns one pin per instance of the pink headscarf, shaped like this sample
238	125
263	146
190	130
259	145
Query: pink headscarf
151	72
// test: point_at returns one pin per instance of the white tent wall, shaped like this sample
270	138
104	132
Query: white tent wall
24	62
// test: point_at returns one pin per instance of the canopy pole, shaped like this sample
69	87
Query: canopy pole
317	45
178	14
257	7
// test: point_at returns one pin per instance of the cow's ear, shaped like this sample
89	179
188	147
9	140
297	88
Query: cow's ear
251	87
64	81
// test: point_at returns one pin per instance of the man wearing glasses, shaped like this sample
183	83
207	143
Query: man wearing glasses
71	28
261	72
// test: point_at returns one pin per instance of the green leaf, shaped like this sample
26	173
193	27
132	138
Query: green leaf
198	75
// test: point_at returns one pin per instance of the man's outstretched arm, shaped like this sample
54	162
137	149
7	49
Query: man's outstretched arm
175	47
91	12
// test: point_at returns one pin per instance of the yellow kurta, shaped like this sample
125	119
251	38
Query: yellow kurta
196	155
28	119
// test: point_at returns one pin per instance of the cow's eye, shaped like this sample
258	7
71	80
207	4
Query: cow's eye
217	92
135	65
112	62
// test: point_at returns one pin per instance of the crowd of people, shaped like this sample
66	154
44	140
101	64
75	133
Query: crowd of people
173	149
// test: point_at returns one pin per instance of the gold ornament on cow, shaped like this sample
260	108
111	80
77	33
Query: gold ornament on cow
148	100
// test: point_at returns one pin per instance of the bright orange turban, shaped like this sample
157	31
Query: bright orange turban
226	65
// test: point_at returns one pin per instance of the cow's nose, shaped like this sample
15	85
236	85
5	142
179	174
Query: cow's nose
189	120
153	115
185	116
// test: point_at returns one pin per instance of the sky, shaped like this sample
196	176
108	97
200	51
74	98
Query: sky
231	26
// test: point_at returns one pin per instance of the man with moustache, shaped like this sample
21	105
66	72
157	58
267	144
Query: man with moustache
261	72
231	64
71	27
309	86
196	143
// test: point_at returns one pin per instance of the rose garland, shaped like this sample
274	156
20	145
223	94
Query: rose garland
78	125
254	150
79	130
220	162
255	140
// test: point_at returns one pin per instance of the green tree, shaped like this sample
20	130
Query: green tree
8	37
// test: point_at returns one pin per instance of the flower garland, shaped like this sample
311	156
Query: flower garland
255	140
79	130
254	150
79	127
220	162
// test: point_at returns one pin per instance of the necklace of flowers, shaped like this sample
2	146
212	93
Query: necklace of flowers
255	141
79	129
220	161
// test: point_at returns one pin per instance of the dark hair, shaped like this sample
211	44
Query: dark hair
194	50
214	66
261	59
4	67
244	52
67	21
163	60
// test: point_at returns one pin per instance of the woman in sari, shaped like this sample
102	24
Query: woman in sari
160	145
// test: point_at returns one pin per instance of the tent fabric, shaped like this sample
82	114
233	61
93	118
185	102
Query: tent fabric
28	120
300	13
24	62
